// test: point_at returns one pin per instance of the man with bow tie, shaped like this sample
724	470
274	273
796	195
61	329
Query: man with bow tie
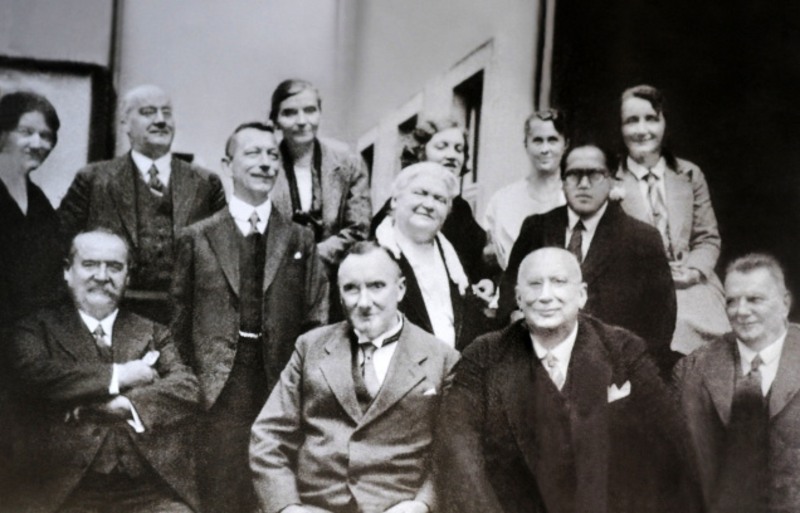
349	426
109	407
558	412
247	283
147	195
740	396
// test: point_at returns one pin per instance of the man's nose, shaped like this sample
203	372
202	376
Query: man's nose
364	300
583	181
102	273
546	294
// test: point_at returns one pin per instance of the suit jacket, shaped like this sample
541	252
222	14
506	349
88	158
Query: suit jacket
705	380
626	271
104	194
205	296
508	441
57	368
346	206
312	443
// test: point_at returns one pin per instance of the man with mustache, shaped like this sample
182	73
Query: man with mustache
147	194
248	282
622	259
349	426
109	405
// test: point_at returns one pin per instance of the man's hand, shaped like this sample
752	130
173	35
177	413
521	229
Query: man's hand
685	277
135	373
484	289
408	507
117	408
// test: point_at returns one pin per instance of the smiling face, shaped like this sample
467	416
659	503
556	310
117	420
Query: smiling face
29	144
446	147
757	305
370	287
545	146
586	195
253	164
97	273
420	209
298	117
148	121
642	128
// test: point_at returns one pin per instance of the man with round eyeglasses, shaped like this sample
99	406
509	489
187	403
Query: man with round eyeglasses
623	261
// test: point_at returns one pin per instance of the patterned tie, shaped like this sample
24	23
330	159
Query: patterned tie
576	241
551	364
658	209
254	219
155	183
368	369
100	341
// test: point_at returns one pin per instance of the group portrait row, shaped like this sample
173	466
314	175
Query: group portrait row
293	348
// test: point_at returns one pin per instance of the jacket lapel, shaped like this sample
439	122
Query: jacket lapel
336	367
555	232
183	188
602	246
76	339
222	239
331	185
123	190
787	381
403	375
719	376
634	202
680	199
278	237
130	337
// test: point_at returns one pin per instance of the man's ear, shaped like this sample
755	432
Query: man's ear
401	287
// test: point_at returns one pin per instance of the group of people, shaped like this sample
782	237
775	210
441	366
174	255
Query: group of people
284	350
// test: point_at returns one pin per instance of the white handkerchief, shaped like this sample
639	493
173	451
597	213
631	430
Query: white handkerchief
430	391
615	393
298	255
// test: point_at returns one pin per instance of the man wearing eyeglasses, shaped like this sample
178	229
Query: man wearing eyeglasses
622	259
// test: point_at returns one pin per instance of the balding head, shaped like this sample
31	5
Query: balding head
146	114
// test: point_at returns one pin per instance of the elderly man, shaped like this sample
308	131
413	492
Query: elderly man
622	259
147	194
740	395
108	403
349	426
248	283
558	412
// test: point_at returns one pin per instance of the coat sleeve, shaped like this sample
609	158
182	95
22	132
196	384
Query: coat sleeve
216	193
357	212
181	298
316	288
704	241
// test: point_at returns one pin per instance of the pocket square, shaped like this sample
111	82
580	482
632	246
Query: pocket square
430	391
298	255
615	393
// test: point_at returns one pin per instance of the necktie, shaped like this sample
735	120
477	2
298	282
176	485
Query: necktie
100	341
658	209
254	219
155	183
576	241
368	369
551	364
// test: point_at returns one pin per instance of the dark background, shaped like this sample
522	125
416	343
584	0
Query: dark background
731	74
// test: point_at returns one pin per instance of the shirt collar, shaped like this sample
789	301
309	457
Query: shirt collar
562	352
768	355
590	223
107	323
379	340
241	212
641	172
162	163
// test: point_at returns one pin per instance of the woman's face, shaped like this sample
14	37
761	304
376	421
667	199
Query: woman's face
642	127
29	143
545	146
298	117
421	208
446	147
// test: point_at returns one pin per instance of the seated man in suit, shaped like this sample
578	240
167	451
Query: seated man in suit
622	259
109	405
740	396
247	283
147	194
558	412
349	426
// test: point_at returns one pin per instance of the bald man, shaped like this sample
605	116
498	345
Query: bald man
147	194
558	412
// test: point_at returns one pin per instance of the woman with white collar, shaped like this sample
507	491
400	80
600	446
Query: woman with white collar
438	296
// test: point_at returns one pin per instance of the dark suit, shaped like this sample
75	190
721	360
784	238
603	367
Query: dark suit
57	368
509	441
626	272
206	324
313	443
104	194
706	380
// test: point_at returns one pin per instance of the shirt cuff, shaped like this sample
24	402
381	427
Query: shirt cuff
113	387
135	422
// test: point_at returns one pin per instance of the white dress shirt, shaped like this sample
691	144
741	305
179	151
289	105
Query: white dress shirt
562	352
163	164
589	227
241	212
305	189
770	355
641	172
382	356
108	329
